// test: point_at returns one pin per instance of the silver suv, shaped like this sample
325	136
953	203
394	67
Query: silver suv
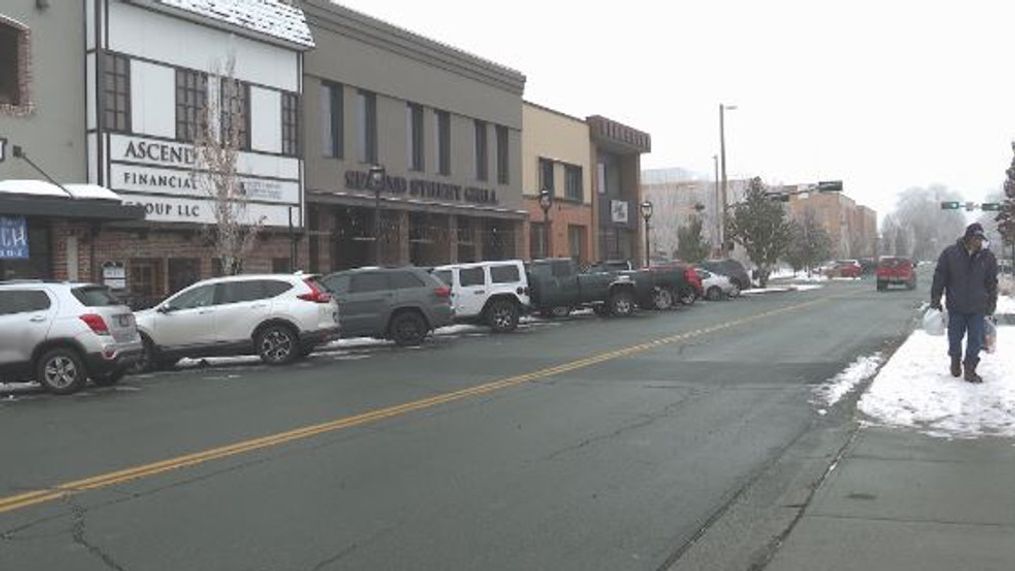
60	334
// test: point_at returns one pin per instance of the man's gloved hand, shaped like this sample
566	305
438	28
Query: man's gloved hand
991	308
936	304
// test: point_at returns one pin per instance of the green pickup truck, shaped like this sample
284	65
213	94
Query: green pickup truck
558	286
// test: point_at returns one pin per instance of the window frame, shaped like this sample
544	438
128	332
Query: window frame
290	124
121	79
503	155
547	167
494	269
333	130
13	310
234	103
443	134
190	112
366	104
482	150
416	136
461	275
577	194
21	104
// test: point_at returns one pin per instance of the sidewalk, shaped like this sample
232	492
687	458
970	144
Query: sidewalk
929	482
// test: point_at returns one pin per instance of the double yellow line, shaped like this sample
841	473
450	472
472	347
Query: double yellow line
24	500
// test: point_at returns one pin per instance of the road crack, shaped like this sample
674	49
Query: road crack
78	512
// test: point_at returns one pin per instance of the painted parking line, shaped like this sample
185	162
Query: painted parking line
24	500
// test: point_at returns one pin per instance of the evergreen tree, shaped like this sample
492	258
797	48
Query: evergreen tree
759	224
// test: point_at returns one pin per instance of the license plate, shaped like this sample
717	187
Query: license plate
125	320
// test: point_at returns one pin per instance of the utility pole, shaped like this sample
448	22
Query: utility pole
718	204
722	154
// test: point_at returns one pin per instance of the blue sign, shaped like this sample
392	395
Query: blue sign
13	238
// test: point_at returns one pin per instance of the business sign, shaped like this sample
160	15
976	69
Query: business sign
422	188
13	238
114	275
162	176
618	211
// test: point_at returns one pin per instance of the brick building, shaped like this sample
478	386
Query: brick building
852	227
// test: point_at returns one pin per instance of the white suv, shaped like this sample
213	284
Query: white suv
61	334
278	317
495	293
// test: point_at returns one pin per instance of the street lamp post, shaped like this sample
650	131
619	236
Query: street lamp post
718	202
375	179
646	212
545	202
722	153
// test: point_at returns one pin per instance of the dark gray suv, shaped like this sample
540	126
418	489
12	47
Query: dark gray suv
401	304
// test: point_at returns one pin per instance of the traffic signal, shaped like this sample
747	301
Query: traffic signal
990	207
830	186
951	205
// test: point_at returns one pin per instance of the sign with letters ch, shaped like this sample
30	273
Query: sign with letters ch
13	238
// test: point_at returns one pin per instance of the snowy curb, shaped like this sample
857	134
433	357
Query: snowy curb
782	289
847	381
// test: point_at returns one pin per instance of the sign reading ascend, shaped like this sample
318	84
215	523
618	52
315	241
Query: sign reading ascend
161	176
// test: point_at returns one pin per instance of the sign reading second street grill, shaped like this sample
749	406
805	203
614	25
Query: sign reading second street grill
13	238
422	188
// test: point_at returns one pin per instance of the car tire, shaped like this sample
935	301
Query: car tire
502	316
622	303
688	297
601	309
152	360
277	344
713	293
408	329
882	286
61	371
662	299
735	291
109	379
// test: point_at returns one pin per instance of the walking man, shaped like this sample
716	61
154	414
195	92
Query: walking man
967	273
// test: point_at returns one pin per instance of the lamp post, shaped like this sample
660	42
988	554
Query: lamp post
545	202
375	180
723	108
646	213
718	202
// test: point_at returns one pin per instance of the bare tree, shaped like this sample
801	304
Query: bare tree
221	134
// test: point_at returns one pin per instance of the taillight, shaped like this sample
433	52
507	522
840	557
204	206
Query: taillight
95	323
316	295
443	291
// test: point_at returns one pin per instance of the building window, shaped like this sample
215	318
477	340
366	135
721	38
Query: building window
414	124
332	120
367	105
235	117
290	124
443	119
482	157
537	241
573	183
576	238
191	104
545	175
116	93
14	73
502	155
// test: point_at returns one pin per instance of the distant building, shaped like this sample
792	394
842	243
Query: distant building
852	227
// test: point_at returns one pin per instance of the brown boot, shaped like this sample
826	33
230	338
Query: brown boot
956	367
971	376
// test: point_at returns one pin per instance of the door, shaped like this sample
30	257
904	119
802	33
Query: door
471	291
25	318
240	306
188	320
566	291
364	304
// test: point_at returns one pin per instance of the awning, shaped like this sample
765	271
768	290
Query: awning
79	201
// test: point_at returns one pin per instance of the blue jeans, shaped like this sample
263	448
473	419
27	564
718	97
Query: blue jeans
972	326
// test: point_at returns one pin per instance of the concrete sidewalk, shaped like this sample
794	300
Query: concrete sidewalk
900	500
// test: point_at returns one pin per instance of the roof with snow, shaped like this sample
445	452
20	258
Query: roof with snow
274	18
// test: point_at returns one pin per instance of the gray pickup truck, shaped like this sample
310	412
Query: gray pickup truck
558	286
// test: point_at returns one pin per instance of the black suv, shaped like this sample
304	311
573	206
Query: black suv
401	304
732	269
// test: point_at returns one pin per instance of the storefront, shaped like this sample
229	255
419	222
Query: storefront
617	150
445	127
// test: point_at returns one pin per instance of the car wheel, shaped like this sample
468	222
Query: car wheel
882	286
502	316
621	303
662	298
688	297
408	328
60	371
560	312
277	344
601	309
109	379
713	293
735	290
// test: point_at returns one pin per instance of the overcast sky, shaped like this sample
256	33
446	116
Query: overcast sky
882	94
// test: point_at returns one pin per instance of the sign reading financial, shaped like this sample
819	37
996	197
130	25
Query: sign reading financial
13	238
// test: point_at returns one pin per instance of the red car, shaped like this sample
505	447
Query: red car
846	269
897	271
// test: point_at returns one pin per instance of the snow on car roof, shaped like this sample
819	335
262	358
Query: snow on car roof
273	18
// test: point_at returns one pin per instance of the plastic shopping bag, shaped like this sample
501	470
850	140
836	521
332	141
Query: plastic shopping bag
935	322
990	335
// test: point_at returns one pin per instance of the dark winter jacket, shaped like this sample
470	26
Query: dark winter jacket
970	281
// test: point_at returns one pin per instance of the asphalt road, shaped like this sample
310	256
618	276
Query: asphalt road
580	444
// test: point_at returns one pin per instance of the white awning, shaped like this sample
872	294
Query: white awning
40	188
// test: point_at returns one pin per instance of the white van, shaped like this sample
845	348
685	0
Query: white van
495	293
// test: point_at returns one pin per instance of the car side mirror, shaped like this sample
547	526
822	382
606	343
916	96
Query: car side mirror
165	308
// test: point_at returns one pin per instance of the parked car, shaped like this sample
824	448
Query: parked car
716	286
557	286
730	268
495	293
61	334
401	304
278	317
845	269
672	282
895	271
611	266
869	266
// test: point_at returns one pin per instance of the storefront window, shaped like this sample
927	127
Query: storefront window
145	282
183	272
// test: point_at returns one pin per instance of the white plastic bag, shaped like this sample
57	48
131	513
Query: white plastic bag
935	322
990	335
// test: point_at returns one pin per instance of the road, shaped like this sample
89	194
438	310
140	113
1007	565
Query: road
581	444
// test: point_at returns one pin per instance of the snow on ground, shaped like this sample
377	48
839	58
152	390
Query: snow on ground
915	390
1005	305
863	368
780	289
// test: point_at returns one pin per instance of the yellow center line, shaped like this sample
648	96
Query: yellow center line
23	500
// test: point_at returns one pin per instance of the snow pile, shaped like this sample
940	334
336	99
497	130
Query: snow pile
914	389
780	289
1005	305
842	384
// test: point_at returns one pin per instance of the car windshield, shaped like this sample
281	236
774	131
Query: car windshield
95	296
